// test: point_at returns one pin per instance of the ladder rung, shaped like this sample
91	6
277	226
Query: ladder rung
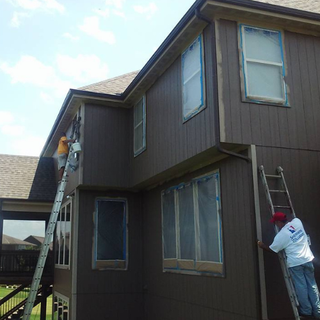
284	191
272	176
282	207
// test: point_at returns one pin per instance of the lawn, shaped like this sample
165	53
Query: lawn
36	310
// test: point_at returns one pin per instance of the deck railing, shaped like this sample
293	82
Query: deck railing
22	262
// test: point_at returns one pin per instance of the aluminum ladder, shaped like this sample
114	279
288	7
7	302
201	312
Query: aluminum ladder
282	257
48	237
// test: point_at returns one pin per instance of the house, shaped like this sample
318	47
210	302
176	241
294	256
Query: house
161	216
36	240
11	243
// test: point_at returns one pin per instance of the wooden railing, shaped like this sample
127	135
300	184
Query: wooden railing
22	262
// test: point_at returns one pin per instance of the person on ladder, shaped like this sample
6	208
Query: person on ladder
294	241
63	150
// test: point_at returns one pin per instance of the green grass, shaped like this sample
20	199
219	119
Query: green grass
36	310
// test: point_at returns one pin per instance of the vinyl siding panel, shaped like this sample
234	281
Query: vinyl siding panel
116	294
301	170
252	123
106	146
181	296
169	140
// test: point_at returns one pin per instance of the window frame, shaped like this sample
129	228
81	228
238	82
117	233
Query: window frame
143	122
199	266
246	96
113	264
57	250
199	108
64	299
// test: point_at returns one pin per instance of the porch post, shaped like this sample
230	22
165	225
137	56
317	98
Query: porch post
43	307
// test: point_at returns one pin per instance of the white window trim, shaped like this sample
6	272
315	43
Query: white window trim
244	60
199	108
197	227
143	123
58	265
109	264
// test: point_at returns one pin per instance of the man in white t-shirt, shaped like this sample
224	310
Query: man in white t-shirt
294	241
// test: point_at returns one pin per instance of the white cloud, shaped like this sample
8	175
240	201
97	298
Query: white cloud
82	67
47	98
119	13
104	13
70	36
148	10
6	117
16	19
12	130
91	26
49	5
28	145
116	3
29	70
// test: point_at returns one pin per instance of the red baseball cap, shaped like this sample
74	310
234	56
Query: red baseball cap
278	216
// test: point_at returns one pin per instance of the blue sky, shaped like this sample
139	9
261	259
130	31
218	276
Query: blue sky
49	46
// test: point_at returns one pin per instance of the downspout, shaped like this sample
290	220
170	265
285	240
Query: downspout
200	16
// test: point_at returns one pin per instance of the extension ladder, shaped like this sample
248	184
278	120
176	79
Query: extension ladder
48	237
282	257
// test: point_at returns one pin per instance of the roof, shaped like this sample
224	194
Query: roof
304	5
35	239
115	86
24	177
11	240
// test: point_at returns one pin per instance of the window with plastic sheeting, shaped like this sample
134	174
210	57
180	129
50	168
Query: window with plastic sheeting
60	307
63	236
263	65
192	79
191	226
139	124
110	234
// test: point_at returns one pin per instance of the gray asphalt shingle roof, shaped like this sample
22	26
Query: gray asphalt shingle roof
304	5
11	240
24	177
114	86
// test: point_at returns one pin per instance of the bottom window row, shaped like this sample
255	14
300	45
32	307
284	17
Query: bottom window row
60	307
191	226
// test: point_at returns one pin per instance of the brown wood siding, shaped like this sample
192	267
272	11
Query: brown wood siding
169	140
252	123
302	171
113	293
181	296
106	146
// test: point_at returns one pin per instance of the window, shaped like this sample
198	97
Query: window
63	236
192	79
191	226
263	65
60	307
110	234
139	123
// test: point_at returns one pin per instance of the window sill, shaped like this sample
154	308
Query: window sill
267	102
110	265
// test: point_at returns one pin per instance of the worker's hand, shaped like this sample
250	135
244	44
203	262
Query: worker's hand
260	244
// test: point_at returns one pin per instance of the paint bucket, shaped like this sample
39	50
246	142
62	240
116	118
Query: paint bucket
76	148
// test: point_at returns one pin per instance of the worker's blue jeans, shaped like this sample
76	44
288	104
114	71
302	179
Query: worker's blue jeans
306	289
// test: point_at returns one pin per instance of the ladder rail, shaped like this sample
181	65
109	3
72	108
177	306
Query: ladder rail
46	243
282	257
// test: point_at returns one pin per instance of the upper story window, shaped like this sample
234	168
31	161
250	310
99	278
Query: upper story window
191	226
192	79
63	236
110	234
263	65
139	124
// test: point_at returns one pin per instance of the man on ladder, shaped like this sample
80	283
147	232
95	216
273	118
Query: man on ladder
292	238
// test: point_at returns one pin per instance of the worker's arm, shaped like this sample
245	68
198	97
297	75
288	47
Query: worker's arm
69	140
264	246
